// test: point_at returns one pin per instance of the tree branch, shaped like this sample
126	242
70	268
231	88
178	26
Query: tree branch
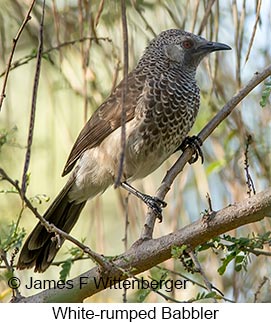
143	255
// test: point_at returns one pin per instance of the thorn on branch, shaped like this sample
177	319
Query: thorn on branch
209	213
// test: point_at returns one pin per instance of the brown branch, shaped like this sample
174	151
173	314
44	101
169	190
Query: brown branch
203	135
143	255
33	104
15	41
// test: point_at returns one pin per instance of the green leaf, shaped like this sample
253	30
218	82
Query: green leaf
66	268
221	270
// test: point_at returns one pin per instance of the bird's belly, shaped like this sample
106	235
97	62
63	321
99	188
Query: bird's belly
144	154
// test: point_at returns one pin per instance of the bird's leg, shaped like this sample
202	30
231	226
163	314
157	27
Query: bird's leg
195	143
153	202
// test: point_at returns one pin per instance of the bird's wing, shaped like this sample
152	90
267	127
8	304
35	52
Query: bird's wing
106	119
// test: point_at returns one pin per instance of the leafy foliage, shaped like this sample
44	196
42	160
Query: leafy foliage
237	249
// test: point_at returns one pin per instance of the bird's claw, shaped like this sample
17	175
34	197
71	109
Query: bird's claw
195	143
155	204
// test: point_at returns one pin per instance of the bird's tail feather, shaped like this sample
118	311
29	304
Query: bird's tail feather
40	249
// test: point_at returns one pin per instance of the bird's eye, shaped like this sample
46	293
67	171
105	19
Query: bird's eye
187	44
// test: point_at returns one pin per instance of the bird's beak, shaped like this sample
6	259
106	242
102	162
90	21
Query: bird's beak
209	46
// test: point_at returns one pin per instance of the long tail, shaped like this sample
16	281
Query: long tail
40	249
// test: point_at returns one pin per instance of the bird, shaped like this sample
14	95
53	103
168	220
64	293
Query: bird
162	102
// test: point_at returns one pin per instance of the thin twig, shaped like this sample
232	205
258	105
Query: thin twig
201	271
264	280
210	207
33	104
203	135
125	239
124	91
15	41
98	15
249	180
259	4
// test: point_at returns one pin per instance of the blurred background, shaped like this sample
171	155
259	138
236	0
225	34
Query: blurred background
82	62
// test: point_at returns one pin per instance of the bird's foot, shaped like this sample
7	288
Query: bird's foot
194	142
155	204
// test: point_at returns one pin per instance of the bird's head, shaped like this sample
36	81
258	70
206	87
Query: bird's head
183	48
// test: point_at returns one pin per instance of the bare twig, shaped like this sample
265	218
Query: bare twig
203	135
15	41
249	180
201	271
124	91
259	4
33	104
98	15
210	207
125	238
256	295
